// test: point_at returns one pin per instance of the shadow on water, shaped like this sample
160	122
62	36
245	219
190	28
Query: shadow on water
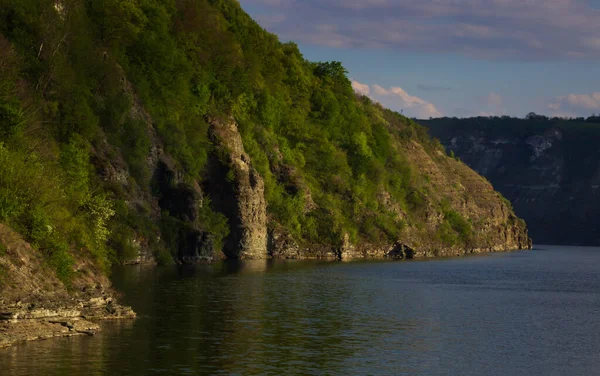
521	314
232	317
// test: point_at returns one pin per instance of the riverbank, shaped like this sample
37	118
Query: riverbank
24	322
344	318
35	304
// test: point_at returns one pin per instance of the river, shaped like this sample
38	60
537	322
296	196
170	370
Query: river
526	313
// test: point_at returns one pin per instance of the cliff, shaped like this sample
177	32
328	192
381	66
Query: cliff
455	212
241	197
180	131
548	168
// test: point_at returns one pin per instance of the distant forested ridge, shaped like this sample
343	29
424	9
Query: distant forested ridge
549	168
181	130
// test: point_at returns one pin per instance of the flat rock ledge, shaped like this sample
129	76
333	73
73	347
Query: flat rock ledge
21	322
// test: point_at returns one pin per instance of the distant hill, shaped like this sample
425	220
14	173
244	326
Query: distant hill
549	168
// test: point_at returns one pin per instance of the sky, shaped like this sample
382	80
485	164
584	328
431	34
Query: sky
433	58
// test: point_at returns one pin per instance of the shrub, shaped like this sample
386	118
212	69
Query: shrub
455	222
54	210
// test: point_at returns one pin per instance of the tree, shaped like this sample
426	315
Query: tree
333	69
534	116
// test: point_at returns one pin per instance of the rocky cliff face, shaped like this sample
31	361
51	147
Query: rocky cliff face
238	191
495	227
549	171
232	186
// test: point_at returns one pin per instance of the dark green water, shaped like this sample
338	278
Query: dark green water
527	313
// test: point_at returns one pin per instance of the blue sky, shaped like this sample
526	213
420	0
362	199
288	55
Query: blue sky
453	57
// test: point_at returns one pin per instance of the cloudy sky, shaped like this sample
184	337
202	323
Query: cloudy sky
453	57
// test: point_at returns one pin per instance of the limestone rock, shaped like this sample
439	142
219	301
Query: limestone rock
237	190
282	246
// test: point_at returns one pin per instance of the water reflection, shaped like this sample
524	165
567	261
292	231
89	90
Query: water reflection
234	318
504	314
62	356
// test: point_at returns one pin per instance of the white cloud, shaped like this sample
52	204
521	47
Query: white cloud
589	102
582	104
398	99
554	106
380	90
361	88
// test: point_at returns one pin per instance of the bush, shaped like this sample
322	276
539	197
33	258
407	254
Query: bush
62	260
455	222
462	227
446	234
213	222
52	209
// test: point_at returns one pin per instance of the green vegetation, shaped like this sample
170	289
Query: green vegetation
454	229
53	207
88	83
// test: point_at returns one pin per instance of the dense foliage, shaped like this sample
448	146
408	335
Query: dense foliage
73	69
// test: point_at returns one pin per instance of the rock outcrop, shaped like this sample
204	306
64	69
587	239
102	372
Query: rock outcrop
494	225
238	191
495	228
234	188
232	184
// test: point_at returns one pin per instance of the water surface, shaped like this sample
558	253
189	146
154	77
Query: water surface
526	313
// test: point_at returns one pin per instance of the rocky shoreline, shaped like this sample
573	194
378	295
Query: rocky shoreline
34	320
35	304
80	314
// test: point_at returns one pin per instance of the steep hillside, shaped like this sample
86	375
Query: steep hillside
181	130
35	304
548	168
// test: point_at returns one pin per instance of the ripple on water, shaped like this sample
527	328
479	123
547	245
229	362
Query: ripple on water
530	313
